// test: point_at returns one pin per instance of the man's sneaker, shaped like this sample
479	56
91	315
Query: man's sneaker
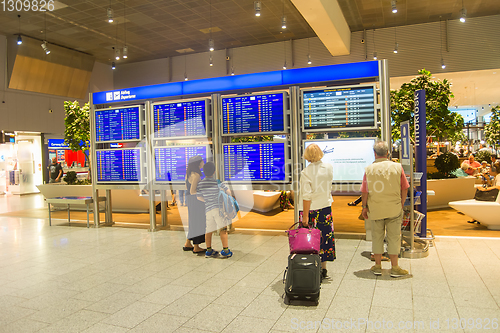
227	254
376	269
397	271
211	253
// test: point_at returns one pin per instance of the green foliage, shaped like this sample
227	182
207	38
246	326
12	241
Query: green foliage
77	123
483	155
441	122
446	163
70	178
492	130
255	138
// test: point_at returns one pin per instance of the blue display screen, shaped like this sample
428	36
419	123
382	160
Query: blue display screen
255	162
171	162
348	107
253	114
117	124
180	119
119	165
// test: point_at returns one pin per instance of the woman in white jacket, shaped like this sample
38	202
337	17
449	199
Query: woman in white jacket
316	198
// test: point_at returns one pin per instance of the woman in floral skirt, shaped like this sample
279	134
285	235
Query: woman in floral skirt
316	198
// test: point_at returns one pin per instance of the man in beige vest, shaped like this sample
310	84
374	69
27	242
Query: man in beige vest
384	191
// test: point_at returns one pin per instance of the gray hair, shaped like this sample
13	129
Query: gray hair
381	148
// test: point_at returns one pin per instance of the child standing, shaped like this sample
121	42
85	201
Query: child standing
208	191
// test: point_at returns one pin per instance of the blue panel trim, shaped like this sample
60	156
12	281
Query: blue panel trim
360	70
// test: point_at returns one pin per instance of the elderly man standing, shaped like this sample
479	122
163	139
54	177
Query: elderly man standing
384	192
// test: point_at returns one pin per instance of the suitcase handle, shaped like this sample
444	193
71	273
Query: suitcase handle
284	275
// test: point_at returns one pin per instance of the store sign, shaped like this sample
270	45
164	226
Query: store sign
405	143
419	114
57	144
360	70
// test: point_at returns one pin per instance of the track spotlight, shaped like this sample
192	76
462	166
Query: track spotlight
125	52
19	40
45	48
211	45
257	6
393	6
113	65
309	62
117	54
443	66
375	56
396	47
110	15
283	22
463	14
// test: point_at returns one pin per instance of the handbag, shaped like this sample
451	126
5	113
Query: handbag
304	240
488	194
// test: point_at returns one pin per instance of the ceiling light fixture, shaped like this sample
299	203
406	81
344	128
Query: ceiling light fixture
211	61
443	66
283	17
232	70
396	45
125	47
309	62
110	15
19	38
45	48
374	48
463	13
211	45
284	65
117	54
257	5
113	65
375	55
393	6
284	49
185	69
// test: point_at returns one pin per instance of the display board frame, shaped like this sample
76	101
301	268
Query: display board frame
142	175
286	165
304	142
141	123
340	129
208	151
286	111
207	120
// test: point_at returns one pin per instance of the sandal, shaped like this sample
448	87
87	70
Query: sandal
187	248
200	251
352	203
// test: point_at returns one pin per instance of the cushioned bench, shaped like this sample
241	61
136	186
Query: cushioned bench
485	212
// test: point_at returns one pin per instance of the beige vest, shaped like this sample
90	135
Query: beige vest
383	178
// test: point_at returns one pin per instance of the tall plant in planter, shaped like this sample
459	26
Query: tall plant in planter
441	122
77	127
492	130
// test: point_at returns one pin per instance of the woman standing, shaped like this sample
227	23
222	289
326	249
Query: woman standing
316	198
196	208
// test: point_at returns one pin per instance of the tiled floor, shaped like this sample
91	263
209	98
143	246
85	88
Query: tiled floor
73	279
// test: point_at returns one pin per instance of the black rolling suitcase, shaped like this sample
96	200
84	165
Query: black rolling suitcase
303	277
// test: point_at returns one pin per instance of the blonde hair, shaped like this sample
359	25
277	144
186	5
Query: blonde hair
313	153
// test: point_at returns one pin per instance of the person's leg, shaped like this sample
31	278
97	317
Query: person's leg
378	233
224	238
393	226
208	239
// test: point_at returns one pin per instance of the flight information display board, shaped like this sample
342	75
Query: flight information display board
181	119
254	114
171	162
339	109
349	157
255	162
118	124
119	165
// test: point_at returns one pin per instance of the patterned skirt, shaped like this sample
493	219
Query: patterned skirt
323	220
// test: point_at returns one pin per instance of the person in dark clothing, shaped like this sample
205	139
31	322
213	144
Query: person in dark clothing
196	208
56	171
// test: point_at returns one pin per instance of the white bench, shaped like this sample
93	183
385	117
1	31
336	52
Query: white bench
485	212
69	201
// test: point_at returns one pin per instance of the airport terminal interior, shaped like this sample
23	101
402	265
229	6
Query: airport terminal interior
94	212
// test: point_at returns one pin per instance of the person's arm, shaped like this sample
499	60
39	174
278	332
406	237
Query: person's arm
60	173
306	195
194	184
364	198
305	215
404	187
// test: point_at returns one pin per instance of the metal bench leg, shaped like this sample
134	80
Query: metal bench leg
69	221
88	225
50	217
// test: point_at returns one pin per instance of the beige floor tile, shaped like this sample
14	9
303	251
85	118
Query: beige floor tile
58	311
213	319
160	322
133	314
349	307
478	297
167	294
24	326
267	307
237	296
298	318
100	328
242	324
392	298
357	288
115	302
77	322
188	305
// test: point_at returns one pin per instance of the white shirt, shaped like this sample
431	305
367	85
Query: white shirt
316	185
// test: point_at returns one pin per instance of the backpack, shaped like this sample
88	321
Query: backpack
228	206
